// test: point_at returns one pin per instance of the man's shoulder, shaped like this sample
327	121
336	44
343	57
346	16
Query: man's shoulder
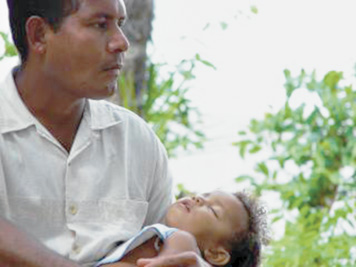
107	112
106	106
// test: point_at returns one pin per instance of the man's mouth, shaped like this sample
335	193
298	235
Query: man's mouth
113	67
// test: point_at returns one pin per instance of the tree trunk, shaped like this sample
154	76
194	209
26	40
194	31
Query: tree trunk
138	30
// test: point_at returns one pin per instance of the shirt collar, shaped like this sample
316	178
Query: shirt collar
14	115
102	114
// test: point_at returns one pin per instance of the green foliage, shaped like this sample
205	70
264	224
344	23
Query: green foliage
223	25
10	49
320	144
183	192
165	104
254	9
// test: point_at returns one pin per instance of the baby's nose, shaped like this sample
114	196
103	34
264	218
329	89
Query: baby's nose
198	200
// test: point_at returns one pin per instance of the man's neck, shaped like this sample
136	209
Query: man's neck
58	112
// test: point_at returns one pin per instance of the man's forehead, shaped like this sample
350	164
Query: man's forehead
110	8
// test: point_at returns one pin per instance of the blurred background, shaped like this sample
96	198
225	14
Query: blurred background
256	96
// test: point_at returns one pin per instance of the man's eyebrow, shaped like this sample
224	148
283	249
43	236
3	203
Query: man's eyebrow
101	15
106	16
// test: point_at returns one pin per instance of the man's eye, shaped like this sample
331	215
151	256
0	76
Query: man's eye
101	25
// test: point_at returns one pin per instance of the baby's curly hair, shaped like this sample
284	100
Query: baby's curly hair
246	246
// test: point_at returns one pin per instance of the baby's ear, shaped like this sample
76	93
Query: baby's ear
217	256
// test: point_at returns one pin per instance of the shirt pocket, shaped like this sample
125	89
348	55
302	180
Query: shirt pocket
124	216
100	224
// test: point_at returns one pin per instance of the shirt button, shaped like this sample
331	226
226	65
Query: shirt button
76	249
73	209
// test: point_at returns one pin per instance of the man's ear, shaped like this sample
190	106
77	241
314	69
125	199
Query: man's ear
217	256
36	28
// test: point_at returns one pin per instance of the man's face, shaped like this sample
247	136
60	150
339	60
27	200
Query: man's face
212	218
85	56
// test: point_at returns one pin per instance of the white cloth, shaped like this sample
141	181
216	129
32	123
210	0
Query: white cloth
114	181
159	230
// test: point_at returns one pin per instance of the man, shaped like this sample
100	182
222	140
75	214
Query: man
79	175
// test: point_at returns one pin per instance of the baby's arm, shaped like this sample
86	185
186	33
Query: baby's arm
180	241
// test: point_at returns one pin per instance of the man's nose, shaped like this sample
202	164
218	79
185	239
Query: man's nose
118	42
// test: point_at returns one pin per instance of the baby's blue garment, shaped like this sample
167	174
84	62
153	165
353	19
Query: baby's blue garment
159	230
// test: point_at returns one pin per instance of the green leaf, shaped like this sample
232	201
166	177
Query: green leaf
205	62
255	149
243	178
223	25
242	145
332	78
10	49
311	118
246	178
277	218
254	9
262	167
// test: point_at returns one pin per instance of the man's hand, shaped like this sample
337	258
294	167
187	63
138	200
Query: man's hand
19	249
188	258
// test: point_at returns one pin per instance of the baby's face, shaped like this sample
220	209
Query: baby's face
213	218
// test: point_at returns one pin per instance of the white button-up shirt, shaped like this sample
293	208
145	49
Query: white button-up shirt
114	180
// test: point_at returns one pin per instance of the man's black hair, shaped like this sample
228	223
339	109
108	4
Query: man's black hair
52	11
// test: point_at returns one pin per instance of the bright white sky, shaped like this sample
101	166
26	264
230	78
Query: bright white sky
250	55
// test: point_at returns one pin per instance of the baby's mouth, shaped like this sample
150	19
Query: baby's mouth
187	205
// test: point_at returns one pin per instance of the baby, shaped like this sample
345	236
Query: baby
226	229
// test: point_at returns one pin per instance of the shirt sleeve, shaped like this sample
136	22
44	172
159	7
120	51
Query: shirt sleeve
161	194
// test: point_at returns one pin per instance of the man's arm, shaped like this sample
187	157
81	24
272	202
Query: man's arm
18	249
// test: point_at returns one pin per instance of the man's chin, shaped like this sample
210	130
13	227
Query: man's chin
106	92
